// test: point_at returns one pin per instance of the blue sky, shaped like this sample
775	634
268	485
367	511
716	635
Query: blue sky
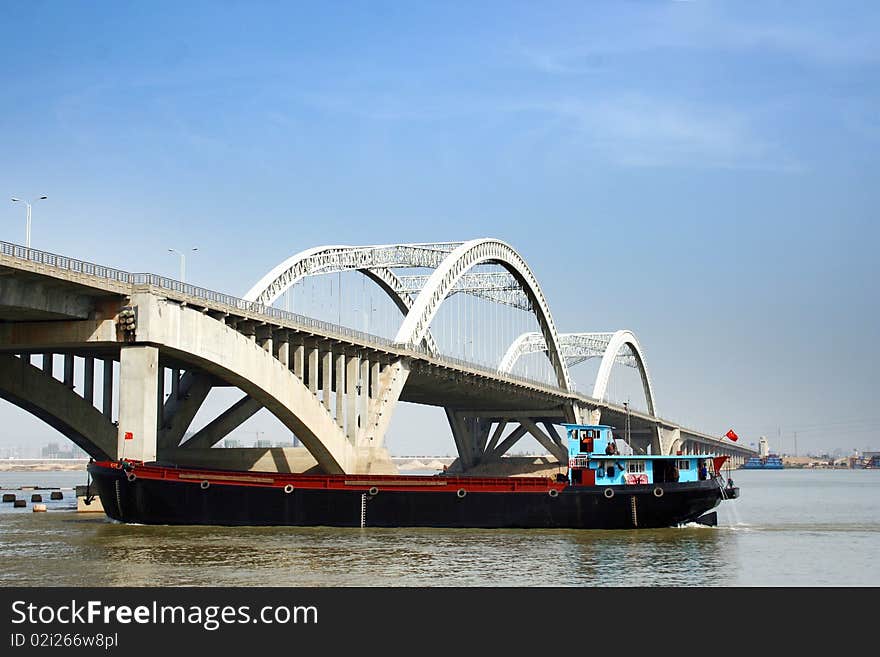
713	166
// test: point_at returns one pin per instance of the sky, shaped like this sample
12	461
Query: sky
702	173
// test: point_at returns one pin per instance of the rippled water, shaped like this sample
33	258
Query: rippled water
790	527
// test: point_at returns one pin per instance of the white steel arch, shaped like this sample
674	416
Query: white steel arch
576	348
444	279
331	259
327	260
618	341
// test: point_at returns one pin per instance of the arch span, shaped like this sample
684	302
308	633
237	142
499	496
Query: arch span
196	340
465	257
329	260
57	405
618	341
576	348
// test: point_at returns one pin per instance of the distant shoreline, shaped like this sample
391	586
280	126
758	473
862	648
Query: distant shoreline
43	465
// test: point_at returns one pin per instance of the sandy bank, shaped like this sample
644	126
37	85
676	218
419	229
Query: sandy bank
518	466
28	465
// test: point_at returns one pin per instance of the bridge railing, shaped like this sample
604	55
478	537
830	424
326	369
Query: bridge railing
64	262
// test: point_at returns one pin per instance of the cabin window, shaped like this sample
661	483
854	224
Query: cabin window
586	440
636	467
684	465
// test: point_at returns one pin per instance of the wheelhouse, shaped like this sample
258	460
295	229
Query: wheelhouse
594	459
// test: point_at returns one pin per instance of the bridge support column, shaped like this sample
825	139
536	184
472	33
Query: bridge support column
464	432
281	344
352	367
299	352
68	370
138	407
175	384
363	396
586	415
89	380
375	369
263	336
107	398
313	370
326	377
340	388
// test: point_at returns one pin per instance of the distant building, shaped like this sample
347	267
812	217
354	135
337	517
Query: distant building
55	451
262	442
50	451
763	447
231	443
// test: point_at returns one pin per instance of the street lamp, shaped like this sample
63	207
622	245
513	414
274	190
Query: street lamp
27	234
182	262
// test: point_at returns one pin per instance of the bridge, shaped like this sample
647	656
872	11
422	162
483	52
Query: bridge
153	348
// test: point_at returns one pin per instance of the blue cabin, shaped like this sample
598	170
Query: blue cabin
594	460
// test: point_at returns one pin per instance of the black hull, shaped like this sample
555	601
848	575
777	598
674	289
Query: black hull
157	501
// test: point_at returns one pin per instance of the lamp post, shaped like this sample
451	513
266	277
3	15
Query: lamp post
27	234
182	262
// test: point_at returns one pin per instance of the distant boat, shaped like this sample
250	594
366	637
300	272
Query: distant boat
769	462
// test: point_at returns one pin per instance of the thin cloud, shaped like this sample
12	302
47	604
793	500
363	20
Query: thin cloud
700	29
626	130
637	131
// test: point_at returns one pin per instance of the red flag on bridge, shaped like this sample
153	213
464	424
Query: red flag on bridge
732	435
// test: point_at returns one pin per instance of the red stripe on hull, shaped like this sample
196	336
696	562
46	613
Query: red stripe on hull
338	482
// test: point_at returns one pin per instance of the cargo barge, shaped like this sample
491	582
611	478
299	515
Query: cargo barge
601	490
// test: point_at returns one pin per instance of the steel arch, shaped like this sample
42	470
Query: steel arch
618	341
576	348
444	279
327	260
331	259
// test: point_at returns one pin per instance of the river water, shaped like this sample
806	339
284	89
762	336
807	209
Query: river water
789	528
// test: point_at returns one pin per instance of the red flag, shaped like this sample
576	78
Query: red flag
732	435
